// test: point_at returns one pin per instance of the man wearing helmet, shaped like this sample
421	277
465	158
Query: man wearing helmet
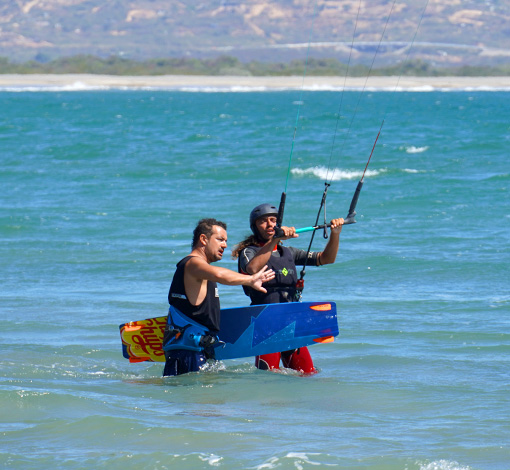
264	248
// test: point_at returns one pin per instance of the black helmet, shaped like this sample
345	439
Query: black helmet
260	211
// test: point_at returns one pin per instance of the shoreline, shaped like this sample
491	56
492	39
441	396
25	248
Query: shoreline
232	83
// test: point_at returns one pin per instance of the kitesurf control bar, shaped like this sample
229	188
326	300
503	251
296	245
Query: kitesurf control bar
309	229
317	227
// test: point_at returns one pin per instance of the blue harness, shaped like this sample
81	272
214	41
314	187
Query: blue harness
186	334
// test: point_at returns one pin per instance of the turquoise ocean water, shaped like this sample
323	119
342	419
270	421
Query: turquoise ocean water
100	192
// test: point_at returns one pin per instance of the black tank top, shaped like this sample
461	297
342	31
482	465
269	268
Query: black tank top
208	312
283	287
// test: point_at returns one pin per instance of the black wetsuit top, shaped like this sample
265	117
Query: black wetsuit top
208	312
283	262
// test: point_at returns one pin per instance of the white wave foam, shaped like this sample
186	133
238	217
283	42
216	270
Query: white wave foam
298	459
443	465
413	149
212	459
335	174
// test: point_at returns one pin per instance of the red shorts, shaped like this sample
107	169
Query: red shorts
297	359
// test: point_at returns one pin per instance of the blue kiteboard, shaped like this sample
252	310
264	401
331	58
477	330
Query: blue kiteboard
245	331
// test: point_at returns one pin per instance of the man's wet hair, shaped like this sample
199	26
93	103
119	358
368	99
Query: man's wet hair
205	226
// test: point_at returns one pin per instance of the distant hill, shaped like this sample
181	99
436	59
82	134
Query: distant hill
452	32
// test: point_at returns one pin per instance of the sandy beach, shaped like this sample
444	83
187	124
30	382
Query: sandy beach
78	81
